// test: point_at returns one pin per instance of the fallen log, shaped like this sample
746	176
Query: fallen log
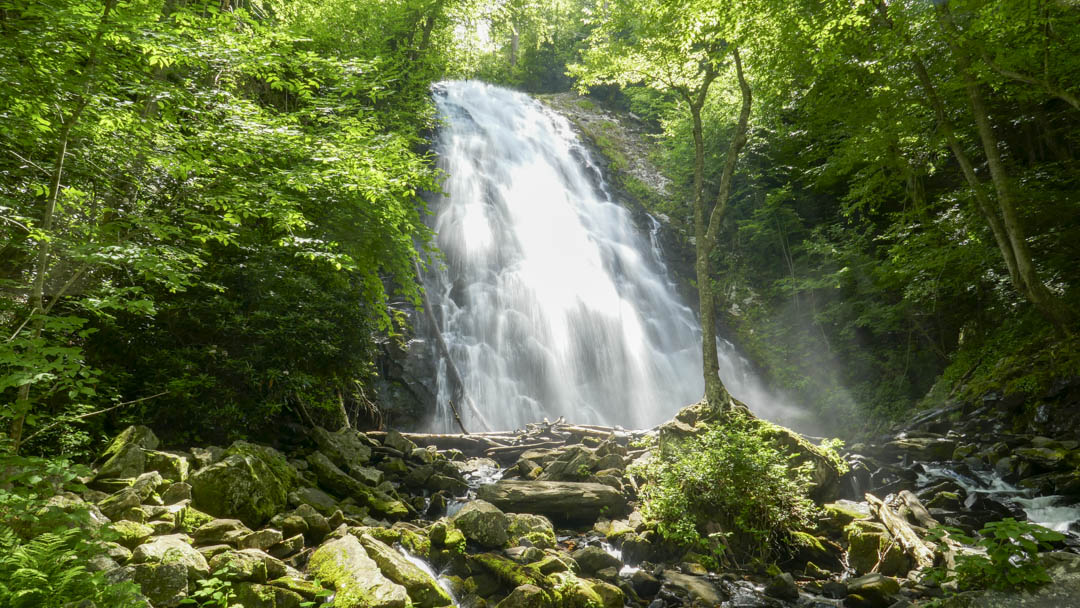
909	540
473	444
918	511
513	452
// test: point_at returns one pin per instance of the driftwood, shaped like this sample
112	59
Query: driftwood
472	444
909	540
918	511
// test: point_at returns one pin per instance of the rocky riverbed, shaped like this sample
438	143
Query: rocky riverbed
378	520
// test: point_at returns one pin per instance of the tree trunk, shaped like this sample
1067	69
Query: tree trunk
41	263
1040	296
715	393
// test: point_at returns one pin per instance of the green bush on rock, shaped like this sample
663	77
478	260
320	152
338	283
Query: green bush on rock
1011	560
726	491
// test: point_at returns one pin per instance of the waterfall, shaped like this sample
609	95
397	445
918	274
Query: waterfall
551	300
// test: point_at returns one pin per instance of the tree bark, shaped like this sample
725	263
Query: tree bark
716	395
1040	296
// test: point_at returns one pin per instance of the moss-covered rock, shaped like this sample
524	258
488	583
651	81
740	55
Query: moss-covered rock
526	596
220	531
131	534
254	595
251	483
172	549
536	529
424	591
344	447
124	457
483	523
248	565
359	583
173	467
868	543
164	584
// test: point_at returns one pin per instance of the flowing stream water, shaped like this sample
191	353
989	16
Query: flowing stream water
551	300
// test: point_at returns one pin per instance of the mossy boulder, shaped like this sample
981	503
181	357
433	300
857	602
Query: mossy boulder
868	543
255	595
221	531
536	529
483	523
125	456
344	564
131	534
164	584
424	591
248	565
251	483
172	549
173	467
526	596
344	447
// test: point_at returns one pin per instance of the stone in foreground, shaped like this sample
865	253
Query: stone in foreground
359	583
561	500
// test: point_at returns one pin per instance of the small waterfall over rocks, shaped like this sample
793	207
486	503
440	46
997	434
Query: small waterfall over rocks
552	302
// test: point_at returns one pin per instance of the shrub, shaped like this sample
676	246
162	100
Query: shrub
727	491
1011	560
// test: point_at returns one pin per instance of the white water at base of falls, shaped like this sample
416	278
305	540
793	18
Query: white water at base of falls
551	300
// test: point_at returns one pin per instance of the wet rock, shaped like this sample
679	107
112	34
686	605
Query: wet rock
834	590
564	501
871	591
483	523
357	579
251	483
592	559
424	591
645	584
783	587
535	529
697	588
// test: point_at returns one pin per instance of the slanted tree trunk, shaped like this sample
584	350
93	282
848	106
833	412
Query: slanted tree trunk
706	234
1049	305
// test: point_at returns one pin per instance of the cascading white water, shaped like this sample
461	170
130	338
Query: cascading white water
552	302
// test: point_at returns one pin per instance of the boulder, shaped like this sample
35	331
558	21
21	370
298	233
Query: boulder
535	529
697	588
248	565
871	591
124	457
164	584
172	549
526	596
868	543
399	442
254	595
251	483
262	540
323	502
116	505
343	448
173	467
177	492
359	583
337	481
483	523
424	591
131	534
560	500
645	584
593	558
783	587
221	531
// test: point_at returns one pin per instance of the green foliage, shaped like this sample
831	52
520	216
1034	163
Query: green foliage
204	165
45	545
727	492
213	592
1010	561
